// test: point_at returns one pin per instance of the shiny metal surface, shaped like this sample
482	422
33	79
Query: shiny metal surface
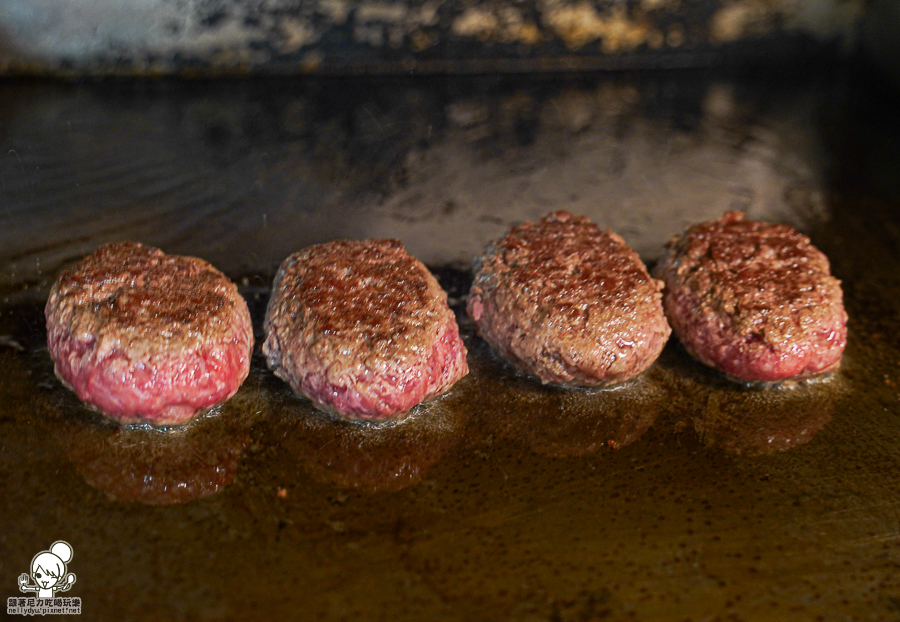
679	496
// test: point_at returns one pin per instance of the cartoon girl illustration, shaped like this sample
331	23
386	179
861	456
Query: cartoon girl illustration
48	569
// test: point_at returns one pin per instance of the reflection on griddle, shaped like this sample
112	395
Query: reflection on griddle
141	463
157	467
243	174
560	422
586	421
370	457
757	422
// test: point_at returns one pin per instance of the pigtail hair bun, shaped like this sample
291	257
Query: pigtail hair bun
62	550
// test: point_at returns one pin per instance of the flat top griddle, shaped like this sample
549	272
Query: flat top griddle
677	496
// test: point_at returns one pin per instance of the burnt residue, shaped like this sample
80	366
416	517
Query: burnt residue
231	37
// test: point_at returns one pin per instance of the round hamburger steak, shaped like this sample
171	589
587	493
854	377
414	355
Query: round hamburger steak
566	302
363	329
146	337
755	300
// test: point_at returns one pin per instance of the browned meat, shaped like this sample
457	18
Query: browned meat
146	337
363	329
569	303
755	300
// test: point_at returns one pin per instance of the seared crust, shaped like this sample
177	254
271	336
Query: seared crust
146	337
568	303
755	300
363	329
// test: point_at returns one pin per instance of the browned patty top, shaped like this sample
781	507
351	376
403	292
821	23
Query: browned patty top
731	242
361	296
135	297
760	274
563	264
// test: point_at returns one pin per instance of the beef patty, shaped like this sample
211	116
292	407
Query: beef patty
145	337
363	329
755	300
569	303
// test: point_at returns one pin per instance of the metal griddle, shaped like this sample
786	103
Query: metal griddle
678	496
